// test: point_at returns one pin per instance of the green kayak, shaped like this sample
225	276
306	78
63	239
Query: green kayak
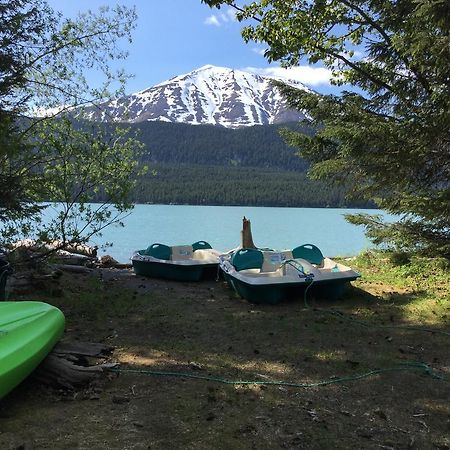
28	331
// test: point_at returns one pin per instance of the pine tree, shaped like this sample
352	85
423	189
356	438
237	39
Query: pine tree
388	137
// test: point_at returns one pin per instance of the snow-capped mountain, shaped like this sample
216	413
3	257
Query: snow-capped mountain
208	95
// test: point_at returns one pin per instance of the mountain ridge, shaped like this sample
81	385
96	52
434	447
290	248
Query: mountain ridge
207	95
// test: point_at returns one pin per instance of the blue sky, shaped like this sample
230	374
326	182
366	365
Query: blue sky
176	36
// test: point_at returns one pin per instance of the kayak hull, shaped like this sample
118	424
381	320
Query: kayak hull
28	332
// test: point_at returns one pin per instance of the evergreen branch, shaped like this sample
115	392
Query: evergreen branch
376	26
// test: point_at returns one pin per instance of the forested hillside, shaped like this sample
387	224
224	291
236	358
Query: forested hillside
248	186
257	146
212	165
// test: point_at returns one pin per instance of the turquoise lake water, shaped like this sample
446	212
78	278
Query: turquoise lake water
278	228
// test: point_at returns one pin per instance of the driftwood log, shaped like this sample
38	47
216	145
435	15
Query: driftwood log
64	257
73	268
246	234
29	250
78	249
73	364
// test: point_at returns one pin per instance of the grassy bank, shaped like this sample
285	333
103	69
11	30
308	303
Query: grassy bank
365	348
416	290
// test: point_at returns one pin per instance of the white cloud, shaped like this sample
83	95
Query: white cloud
259	51
311	76
231	14
228	15
212	20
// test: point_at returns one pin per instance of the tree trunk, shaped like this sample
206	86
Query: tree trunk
246	234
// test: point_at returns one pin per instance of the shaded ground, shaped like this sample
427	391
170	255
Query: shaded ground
203	329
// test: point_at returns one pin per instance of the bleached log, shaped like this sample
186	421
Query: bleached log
82	249
79	249
64	257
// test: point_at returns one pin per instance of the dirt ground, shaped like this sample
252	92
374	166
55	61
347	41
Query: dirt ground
203	329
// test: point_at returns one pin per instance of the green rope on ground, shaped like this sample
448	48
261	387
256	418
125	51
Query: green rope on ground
414	366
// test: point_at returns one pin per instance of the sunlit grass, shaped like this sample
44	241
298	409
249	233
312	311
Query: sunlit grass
337	355
419	289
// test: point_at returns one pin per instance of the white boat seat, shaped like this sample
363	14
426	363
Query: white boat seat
274	260
206	255
181	252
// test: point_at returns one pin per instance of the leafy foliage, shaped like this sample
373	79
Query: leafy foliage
83	165
390	138
46	58
44	61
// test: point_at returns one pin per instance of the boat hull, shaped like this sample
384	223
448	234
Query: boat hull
177	272
267	276
28	332
279	292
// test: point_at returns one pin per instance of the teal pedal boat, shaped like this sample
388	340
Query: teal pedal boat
182	262
268	276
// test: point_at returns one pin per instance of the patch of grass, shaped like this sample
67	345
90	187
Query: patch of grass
400	258
419	290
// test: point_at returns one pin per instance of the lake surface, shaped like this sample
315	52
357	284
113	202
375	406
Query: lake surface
278	228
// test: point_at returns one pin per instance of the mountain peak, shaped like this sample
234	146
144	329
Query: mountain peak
211	67
207	95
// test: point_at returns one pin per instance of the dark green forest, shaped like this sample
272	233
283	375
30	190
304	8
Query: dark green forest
248	186
211	165
257	146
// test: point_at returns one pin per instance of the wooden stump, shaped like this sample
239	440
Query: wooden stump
73	364
246	234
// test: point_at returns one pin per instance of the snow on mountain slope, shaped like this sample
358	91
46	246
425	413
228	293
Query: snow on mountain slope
208	95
